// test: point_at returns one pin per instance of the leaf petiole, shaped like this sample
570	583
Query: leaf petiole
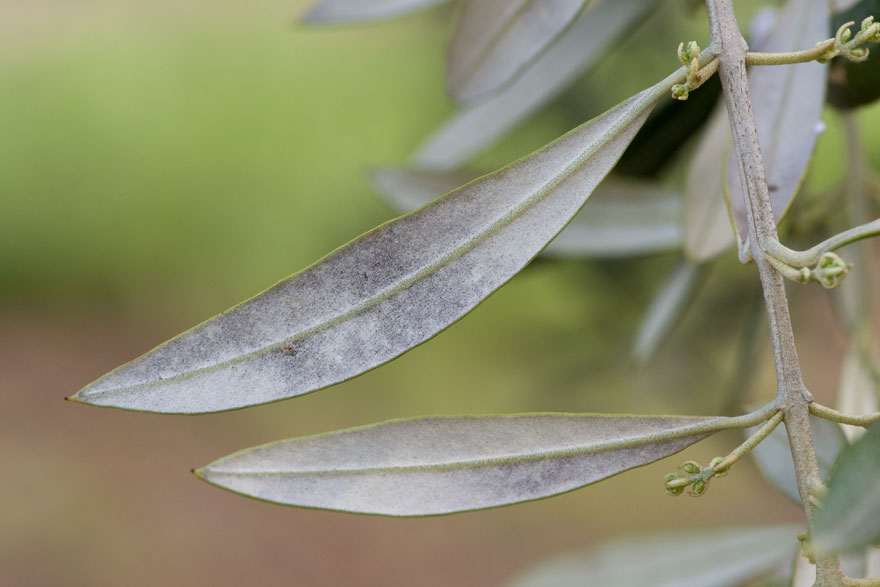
833	415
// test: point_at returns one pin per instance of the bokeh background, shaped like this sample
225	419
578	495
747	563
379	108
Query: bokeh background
161	161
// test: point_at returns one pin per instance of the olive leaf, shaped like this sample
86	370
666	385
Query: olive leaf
787	103
495	39
472	129
442	465
858	388
707	224
623	217
383	293
341	11
717	557
708	219
849	517
666	308
773	455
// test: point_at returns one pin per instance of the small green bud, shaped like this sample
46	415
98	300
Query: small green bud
680	92
857	54
691	467
830	270
843	33
866	24
682	54
674	491
699	488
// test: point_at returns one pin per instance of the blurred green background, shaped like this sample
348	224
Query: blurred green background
161	161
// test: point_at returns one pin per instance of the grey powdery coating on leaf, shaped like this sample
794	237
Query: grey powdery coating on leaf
787	103
849	517
383	293
497	39
718	557
441	465
341	11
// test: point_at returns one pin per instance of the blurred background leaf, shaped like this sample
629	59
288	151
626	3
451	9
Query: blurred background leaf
714	558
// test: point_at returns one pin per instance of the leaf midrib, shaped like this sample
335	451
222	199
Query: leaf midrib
598	447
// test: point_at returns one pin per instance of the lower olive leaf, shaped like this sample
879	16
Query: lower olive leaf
773	455
849	517
344	11
717	557
495	39
442	465
383	293
787	103
472	129
623	217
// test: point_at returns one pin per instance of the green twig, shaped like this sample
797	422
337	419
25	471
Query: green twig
753	441
831	414
698	476
753	58
812	255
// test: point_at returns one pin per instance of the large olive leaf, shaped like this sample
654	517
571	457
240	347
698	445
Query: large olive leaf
623	217
717	557
773	455
472	129
495	39
340	11
849	516
383	293
787	103
442	465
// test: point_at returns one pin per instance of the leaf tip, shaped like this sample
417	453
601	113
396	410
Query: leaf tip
76	398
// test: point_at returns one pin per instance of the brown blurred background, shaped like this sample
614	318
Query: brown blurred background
161	161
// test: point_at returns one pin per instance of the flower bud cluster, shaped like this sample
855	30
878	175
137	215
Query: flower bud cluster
695	476
850	47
